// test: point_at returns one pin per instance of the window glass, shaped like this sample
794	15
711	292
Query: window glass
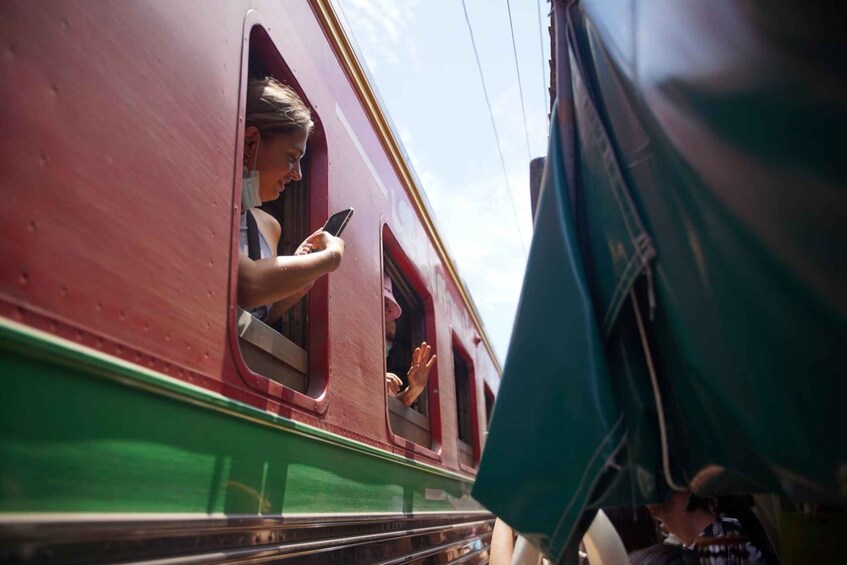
463	377
489	406
463	397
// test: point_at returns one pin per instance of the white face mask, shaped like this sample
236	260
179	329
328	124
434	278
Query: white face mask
250	197
388	345
250	190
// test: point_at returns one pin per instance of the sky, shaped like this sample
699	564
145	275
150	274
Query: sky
421	59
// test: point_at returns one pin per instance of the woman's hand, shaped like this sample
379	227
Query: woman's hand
324	241
418	375
307	246
304	249
422	362
393	383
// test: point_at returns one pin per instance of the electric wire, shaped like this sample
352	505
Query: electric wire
494	126
544	91
520	86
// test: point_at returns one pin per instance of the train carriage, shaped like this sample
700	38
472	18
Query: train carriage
144	415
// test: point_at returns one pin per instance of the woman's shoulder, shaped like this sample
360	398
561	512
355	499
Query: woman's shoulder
267	223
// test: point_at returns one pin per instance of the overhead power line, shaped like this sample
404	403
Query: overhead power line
544	71
520	87
494	126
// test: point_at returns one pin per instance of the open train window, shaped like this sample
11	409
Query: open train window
466	423
489	405
289	351
414	326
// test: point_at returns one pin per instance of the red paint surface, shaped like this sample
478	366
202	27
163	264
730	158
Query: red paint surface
118	170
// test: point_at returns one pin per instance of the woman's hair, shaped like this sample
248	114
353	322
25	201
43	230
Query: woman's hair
275	108
663	554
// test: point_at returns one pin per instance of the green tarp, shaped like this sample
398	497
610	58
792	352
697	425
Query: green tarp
702	174
534	468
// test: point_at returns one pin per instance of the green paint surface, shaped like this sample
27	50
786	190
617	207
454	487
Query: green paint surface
76	435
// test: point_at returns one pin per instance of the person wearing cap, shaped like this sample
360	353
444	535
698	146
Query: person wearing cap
692	519
422	358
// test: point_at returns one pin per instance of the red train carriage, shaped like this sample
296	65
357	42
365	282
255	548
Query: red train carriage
144	415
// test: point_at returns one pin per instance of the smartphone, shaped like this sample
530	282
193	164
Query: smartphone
338	221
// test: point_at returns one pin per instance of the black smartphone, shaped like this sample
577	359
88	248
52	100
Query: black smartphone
338	221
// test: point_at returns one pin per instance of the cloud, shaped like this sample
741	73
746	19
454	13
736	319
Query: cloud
476	215
381	28
476	220
470	203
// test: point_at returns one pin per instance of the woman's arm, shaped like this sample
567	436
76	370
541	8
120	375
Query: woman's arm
502	544
285	304
271	280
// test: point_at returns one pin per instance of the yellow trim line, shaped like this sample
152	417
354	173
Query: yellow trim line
347	54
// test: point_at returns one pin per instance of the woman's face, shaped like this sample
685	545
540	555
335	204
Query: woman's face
277	158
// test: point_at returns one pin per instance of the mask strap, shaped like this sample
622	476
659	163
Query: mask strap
256	156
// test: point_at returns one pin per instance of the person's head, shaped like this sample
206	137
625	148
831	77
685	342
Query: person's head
390	332
277	127
662	554
392	312
677	504
683	514
672	506
392	308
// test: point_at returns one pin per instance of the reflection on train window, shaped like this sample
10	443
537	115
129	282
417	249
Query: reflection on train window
463	377
279	349
414	422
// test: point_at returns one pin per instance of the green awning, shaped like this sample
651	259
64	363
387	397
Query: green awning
535	472
695	209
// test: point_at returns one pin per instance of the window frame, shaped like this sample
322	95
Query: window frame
315	398
390	245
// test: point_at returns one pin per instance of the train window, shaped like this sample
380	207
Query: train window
412	327
489	404
280	349
463	376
